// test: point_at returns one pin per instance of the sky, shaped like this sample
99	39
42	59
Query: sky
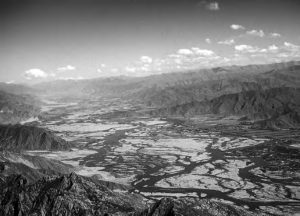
43	40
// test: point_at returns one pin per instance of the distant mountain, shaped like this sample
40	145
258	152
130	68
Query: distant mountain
172	89
17	89
77	195
214	85
218	90
15	108
24	137
279	105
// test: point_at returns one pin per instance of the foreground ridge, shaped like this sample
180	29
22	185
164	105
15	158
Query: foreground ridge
77	195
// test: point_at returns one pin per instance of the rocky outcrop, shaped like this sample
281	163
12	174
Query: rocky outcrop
25	137
76	195
64	195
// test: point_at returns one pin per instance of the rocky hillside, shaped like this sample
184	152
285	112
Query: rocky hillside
76	195
15	108
31	167
223	82
25	137
279	105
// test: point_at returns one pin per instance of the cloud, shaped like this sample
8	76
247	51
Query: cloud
274	35
212	6
291	47
115	70
192	58
71	78
102	67
246	48
203	52
237	27
146	59
130	69
185	52
273	48
192	52
208	40
66	68
35	73
10	82
258	33
227	42
273	53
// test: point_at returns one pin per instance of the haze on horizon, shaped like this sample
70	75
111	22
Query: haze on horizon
75	39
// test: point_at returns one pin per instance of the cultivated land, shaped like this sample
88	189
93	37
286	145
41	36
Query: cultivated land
205	156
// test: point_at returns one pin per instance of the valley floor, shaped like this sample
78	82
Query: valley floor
228	162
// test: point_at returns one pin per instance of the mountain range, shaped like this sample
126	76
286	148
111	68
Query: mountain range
247	91
267	96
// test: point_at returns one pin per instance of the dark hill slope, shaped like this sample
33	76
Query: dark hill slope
15	108
31	167
24	137
77	195
280	104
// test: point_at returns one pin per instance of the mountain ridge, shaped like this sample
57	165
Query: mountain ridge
28	137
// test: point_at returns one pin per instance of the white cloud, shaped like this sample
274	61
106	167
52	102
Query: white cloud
71	78
236	27
130	69
258	33
203	52
102	68
208	40
246	48
115	70
283	55
273	48
192	52
291	47
185	52
145	68
213	6
178	61
66	68
146	59
275	35
35	73
10	82
262	50
208	5
227	42
272	53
